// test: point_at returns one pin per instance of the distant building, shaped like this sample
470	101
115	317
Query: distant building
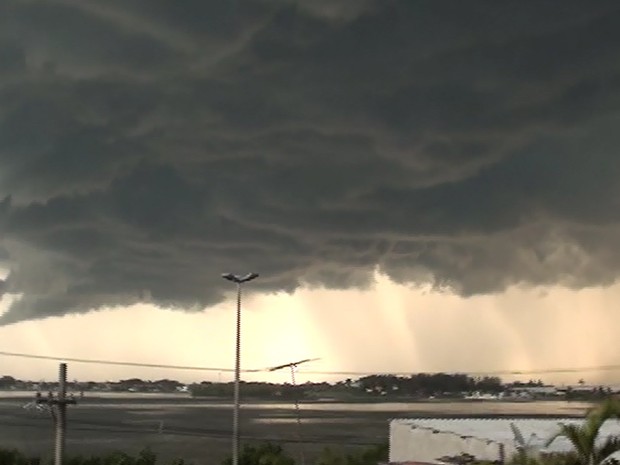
531	392
477	395
578	388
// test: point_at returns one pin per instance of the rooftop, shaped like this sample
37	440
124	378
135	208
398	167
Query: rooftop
536	431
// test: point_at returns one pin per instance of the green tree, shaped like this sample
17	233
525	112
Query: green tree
7	382
584	438
263	454
526	453
370	456
14	457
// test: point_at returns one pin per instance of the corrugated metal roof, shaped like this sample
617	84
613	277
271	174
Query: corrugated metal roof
534	430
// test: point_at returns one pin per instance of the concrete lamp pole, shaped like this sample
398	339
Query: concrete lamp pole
238	280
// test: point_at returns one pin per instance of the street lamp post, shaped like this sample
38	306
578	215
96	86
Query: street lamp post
238	280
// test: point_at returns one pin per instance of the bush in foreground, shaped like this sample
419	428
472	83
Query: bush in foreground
146	457
262	454
14	457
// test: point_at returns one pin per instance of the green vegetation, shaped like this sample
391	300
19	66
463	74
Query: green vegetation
261	454
14	457
271	454
584	438
596	394
146	457
371	456
588	449
249	389
424	384
421	385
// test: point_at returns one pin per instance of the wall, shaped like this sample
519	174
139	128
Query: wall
414	443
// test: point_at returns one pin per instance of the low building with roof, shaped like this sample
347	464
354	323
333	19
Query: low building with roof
433	440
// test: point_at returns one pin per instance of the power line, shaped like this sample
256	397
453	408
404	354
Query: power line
118	363
471	373
312	372
554	370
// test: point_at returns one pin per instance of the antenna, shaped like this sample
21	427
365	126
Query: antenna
292	364
293	367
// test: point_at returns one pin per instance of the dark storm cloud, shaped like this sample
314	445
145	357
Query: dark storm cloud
146	148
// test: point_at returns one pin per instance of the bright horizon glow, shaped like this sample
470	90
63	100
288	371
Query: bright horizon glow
386	328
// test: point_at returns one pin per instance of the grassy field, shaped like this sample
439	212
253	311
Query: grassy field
199	430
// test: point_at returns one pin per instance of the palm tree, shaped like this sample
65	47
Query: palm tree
584	437
527	451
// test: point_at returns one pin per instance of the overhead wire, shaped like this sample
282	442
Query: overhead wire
120	363
311	372
471	373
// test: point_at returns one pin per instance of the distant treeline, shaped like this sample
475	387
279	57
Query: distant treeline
249	389
135	384
416	385
424	384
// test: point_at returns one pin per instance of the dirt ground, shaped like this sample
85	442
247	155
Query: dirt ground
199	431
199	434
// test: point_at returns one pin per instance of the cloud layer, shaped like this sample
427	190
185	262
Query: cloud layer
146	148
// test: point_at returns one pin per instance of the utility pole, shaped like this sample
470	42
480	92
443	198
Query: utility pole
58	408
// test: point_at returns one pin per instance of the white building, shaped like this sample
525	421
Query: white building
534	391
429	439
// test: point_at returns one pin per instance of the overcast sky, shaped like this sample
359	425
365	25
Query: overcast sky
432	182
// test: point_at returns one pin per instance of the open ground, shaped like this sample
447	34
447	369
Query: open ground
199	430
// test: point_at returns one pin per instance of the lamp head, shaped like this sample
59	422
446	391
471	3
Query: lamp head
239	279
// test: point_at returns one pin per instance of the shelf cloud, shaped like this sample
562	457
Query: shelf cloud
147	148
